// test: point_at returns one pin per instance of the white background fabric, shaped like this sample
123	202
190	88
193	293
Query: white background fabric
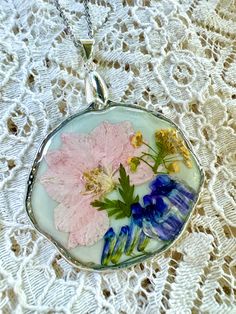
178	56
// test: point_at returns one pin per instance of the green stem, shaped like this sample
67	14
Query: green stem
168	160
173	157
156	165
159	160
146	154
164	162
150	147
146	162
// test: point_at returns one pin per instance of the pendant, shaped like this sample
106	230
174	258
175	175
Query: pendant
113	185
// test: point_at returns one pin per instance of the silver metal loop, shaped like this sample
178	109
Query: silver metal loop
96	90
88	45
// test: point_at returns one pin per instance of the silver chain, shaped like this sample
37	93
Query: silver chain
69	31
88	19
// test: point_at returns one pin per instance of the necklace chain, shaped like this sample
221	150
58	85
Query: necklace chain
88	19
96	90
69	31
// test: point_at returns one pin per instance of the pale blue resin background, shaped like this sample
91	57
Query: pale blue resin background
43	205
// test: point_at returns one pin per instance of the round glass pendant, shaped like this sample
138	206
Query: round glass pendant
112	187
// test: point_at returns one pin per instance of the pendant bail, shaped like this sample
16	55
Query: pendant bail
96	90
88	45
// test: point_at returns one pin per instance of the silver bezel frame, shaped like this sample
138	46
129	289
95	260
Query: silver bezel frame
72	260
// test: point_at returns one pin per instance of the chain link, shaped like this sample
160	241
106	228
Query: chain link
88	19
69	31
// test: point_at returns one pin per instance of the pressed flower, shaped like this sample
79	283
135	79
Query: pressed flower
82	171
158	220
137	139
137	214
169	151
166	230
186	191
98	181
155	203
121	207
162	184
129	238
133	163
154	219
148	228
132	238
188	163
166	227
110	241
155	206
171	143
179	200
134	228
173	167
143	242
120	244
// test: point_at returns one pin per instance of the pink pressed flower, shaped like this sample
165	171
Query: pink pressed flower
84	169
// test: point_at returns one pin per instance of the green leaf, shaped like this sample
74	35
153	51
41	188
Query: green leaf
119	208
112	212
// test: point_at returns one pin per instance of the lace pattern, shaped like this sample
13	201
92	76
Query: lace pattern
177	56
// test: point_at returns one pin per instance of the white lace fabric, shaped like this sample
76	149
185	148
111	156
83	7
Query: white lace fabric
177	56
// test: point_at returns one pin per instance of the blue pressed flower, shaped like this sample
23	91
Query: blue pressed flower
180	201
143	242
110	241
168	229
161	232
173	226
120	244
132	238
149	200
155	205
174	222
137	212
152	220
162	185
148	228
161	180
185	191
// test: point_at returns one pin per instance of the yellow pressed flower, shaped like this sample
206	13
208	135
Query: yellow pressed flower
133	163
173	167
137	139
184	151
174	133
188	163
172	143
